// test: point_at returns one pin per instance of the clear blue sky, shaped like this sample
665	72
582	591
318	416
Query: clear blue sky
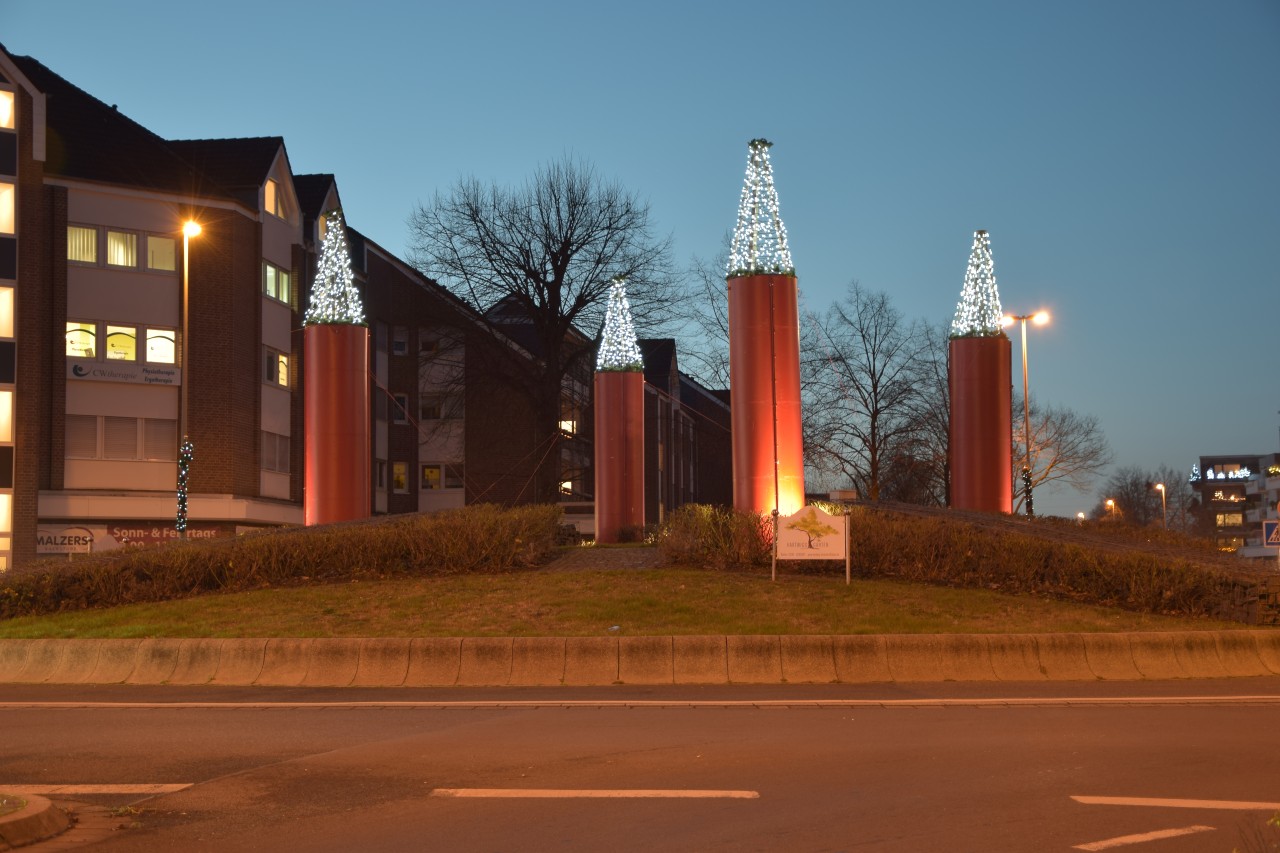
1125	156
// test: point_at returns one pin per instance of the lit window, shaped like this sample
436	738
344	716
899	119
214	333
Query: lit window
400	477
161	253
6	312
6	208
122	343
277	368
6	416
6	109
276	283
566	487
273	199
82	340
122	249
161	346
1230	519
82	244
431	477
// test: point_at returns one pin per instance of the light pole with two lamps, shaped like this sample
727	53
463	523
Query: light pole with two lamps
190	229
1039	318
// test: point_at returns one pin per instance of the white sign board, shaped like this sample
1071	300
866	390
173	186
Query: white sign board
811	534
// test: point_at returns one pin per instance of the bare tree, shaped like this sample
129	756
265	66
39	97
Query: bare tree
1137	500
546	252
1066	447
706	345
864	370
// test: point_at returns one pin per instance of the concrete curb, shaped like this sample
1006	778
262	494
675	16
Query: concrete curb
544	661
38	820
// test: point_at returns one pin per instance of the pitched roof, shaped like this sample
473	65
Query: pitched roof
312	190
90	140
240	166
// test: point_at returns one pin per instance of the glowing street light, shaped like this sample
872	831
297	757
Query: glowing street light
1111	507
1164	512
1039	318
190	229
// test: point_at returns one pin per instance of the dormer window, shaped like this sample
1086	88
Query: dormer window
6	109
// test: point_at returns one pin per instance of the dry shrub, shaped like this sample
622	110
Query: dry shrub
952	553
716	537
477	538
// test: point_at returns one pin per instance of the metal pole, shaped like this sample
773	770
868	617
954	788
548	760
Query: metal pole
1026	421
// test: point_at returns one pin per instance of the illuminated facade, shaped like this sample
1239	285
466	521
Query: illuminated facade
1237	493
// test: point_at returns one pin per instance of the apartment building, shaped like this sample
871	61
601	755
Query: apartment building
121	332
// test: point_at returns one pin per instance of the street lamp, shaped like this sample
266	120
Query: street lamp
1111	507
1164	512
1039	318
190	229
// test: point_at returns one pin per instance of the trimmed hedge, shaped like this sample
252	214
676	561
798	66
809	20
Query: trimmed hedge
950	552
483	537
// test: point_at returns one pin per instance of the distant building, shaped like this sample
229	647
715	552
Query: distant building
1237	493
688	451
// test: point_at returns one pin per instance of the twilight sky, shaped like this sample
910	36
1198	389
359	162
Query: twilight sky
1125	156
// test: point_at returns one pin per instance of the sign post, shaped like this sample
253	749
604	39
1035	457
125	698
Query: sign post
1271	536
811	534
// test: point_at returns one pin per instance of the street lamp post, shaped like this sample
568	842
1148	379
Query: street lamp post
190	229
1164	512
1039	318
1111	508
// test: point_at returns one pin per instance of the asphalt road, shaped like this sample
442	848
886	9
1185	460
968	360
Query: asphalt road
1149	767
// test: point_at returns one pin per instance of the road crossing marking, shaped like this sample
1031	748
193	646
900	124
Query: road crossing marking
1158	835
592	793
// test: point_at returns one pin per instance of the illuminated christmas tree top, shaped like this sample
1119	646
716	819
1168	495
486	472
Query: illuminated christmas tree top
618	348
760	238
978	313
334	298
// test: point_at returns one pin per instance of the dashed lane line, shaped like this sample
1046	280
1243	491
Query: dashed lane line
1158	835
592	793
1158	802
89	788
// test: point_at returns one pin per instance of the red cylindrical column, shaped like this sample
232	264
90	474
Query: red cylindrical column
981	424
764	381
336	425
619	421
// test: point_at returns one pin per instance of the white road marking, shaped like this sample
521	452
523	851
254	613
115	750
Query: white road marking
1234	805
54	790
1123	840
569	793
652	703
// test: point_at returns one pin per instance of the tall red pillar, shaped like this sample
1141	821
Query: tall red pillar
336	413
981	437
764	378
619	440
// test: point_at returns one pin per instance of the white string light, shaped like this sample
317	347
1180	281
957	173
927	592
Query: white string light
334	298
759	239
978	314
618	348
